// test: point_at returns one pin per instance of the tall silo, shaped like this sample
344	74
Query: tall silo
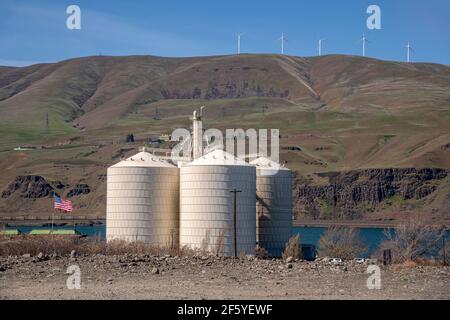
143	201
274	205
206	204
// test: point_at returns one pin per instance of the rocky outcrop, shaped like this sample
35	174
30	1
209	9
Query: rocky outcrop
350	194
78	190
34	187
31	187
121	153
230	90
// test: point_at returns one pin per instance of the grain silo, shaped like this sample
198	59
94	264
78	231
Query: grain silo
206	204
274	205
143	201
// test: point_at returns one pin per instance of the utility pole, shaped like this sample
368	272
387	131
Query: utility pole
47	126
264	108
235	192
156	116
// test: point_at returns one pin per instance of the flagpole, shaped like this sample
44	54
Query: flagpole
53	211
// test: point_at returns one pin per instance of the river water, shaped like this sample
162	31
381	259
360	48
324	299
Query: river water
371	237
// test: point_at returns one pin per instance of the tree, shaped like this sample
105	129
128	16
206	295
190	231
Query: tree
413	240
341	242
292	248
130	138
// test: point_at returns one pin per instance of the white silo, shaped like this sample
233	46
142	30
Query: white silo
143	201
206	204
273	206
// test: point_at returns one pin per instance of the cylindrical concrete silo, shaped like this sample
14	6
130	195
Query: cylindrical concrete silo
206	204
273	206
143	201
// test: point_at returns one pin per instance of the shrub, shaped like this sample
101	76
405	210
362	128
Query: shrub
341	242
130	138
261	253
206	241
220	243
413	241
292	248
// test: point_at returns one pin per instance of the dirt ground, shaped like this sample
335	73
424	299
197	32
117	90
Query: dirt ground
151	277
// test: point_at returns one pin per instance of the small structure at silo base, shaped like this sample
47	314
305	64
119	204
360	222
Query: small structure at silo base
274	205
143	201
10	232
56	232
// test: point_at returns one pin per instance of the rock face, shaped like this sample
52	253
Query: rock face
31	187
230	90
79	189
349	194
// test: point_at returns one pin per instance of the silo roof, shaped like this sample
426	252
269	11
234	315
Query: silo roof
143	159
266	163
218	158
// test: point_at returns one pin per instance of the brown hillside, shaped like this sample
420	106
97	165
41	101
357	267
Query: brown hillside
335	114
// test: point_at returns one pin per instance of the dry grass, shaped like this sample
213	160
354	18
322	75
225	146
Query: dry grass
292	248
26	244
261	253
217	248
220	243
415	242
206	241
341	242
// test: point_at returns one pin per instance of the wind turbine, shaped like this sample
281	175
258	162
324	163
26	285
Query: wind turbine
364	41
409	48
283	39
239	35
320	46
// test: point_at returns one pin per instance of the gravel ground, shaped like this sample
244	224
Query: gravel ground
151	277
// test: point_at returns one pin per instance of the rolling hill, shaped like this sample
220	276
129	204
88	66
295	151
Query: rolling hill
335	113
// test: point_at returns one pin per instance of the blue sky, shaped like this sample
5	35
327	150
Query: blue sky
35	30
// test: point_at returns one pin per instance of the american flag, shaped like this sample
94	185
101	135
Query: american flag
65	205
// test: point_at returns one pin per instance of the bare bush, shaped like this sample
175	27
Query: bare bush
341	242
414	241
220	243
206	241
261	253
292	248
23	244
